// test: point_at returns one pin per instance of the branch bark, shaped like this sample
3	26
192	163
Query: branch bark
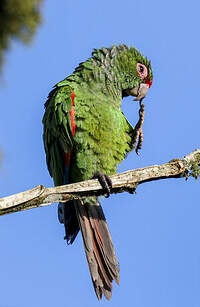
127	181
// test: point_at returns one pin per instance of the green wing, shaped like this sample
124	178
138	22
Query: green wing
58	137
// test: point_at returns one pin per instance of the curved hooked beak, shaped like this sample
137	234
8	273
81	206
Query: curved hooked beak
139	91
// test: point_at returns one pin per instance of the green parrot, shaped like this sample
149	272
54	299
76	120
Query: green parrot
86	136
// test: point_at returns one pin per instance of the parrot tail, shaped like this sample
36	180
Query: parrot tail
102	261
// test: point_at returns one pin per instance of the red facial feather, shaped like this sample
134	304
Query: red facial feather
149	82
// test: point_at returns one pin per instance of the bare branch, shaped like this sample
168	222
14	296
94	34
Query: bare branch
127	181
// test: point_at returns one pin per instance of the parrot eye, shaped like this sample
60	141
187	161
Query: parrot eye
142	70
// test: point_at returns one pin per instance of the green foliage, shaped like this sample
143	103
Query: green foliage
19	20
195	170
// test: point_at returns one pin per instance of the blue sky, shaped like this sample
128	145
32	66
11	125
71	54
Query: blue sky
155	232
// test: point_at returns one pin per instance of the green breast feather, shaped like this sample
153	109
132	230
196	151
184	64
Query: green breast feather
102	138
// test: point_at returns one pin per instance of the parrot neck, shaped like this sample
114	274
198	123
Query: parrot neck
100	73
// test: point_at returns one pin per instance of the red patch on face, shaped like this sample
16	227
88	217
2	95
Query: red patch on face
149	82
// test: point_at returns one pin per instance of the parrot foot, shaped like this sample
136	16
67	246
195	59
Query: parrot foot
138	136
140	131
104	181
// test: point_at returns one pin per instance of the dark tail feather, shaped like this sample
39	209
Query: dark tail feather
102	261
67	216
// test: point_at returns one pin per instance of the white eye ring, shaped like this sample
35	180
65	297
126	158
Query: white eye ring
142	70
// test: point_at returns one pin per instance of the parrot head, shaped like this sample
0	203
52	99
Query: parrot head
141	89
135	73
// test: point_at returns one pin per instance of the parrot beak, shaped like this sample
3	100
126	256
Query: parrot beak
142	91
139	91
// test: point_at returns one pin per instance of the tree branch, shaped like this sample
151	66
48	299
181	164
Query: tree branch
127	181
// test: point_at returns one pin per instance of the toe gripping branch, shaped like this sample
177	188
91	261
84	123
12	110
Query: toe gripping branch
104	181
